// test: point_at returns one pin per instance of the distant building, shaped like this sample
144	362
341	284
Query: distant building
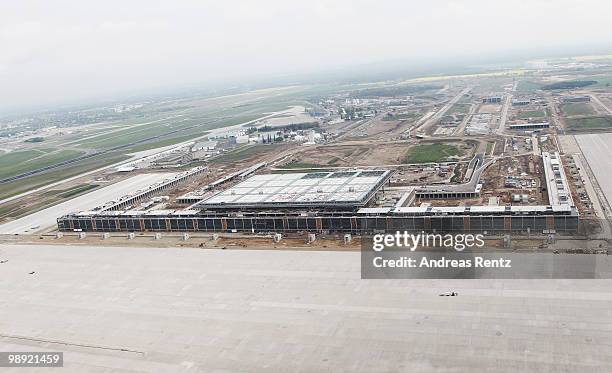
521	102
492	100
311	136
242	139
529	126
204	145
582	98
125	168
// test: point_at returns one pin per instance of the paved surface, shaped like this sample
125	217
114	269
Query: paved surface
194	310
504	114
598	101
461	127
597	149
535	145
440	113
588	186
48	217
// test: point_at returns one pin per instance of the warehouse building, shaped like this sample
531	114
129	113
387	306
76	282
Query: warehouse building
529	126
492	100
521	101
581	98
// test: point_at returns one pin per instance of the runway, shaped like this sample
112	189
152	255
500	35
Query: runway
192	310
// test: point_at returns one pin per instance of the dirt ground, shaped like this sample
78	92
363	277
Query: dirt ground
353	155
375	128
379	126
568	144
197	240
293	115
525	169
489	108
239	242
363	154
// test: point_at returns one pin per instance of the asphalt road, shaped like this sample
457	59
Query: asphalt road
440	113
504	114
598	101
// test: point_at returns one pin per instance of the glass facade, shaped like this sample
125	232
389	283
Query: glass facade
348	224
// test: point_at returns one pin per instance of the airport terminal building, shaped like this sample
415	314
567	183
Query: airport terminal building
496	219
322	202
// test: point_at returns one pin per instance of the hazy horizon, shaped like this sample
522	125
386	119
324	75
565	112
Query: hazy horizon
59	53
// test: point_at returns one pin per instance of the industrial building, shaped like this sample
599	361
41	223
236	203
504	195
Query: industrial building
581	98
521	101
529	126
492	100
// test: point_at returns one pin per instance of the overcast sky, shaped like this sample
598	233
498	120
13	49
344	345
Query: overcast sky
63	51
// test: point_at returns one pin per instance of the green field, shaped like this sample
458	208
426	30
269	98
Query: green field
459	109
17	209
569	84
72	192
577	108
602	81
456	174
527	86
301	165
8	159
15	163
244	152
400	116
128	136
162	143
589	123
22	185
430	153
532	114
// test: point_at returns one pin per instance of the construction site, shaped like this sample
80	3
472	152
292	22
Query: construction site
305	187
355	201
471	154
